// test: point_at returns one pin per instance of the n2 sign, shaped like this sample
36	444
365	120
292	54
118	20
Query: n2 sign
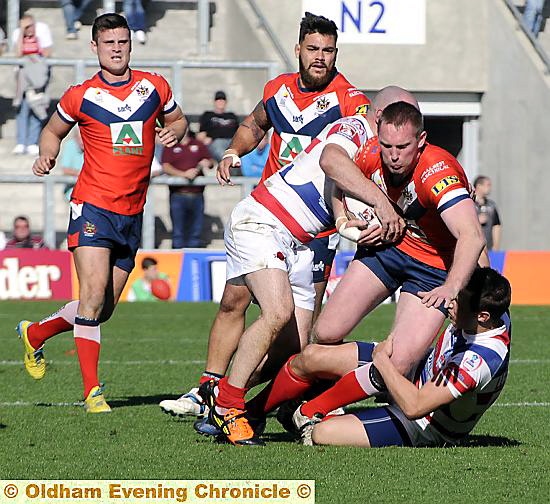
374	21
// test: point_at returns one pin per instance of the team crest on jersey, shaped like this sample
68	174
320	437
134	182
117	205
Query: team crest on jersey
322	104
142	91
444	183
127	138
89	229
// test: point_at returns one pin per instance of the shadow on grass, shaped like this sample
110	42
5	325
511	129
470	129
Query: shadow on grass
482	441
122	402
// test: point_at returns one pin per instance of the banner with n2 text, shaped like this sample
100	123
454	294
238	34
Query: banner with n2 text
374	21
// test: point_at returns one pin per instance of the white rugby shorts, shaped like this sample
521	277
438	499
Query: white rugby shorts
255	239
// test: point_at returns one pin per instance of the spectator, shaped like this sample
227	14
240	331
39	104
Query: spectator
186	160
22	237
487	212
252	165
3	41
33	42
72	158
217	126
135	14
141	287
532	15
72	12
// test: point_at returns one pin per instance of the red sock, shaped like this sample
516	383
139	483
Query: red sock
346	390
61	321
87	341
285	386
230	396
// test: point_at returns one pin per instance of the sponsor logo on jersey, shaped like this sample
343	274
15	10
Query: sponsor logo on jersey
298	119
291	146
320	266
444	183
437	167
471	361
127	138
89	229
362	109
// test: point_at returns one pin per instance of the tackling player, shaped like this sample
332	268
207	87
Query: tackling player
432	262
453	386
297	106
117	111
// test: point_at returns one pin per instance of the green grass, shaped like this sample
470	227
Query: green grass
154	351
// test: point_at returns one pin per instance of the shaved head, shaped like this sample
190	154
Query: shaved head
392	94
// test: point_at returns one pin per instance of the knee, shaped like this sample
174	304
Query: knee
277	317
234	301
309	358
323	334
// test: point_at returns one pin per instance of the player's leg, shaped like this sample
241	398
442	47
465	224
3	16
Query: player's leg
359	291
370	428
324	250
223	340
94	272
272	290
301	371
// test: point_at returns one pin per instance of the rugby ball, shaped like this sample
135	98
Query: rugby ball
356	209
160	289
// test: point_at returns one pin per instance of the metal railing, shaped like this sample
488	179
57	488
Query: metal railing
534	42
246	185
176	68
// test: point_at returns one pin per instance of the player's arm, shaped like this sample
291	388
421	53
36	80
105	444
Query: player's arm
347	176
50	142
414	402
175	126
247	137
461	220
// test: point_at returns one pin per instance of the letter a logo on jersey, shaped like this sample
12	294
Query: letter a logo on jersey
127	133
127	138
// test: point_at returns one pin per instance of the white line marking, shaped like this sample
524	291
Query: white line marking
110	362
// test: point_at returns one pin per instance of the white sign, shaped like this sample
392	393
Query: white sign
374	21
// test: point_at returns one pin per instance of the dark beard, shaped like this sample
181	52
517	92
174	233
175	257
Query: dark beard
314	83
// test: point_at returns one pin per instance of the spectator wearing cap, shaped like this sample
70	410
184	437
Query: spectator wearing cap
218	126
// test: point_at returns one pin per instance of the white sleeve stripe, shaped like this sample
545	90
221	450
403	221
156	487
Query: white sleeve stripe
170	105
451	195
349	145
64	114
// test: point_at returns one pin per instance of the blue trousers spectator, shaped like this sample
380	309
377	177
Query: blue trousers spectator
532	15
187	214
28	125
135	14
72	12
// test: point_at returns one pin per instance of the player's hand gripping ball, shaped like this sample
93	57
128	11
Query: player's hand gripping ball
356	209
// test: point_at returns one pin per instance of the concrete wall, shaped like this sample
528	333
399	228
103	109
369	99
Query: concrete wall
514	133
453	58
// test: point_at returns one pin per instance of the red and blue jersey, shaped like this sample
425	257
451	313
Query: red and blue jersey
117	123
474	368
298	115
437	183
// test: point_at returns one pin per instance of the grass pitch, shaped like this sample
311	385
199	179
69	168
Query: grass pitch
154	351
